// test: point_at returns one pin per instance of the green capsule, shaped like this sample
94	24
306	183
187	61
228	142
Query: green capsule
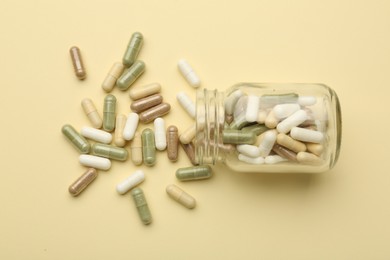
76	139
130	75
109	151
194	173
232	136
279	99
133	49
257	129
109	113
142	205
148	147
239	122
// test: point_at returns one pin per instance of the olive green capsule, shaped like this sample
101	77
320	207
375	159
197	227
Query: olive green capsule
194	173
76	139
148	147
142	205
257	129
109	151
133	49
239	122
279	99
232	136
109	113
130	75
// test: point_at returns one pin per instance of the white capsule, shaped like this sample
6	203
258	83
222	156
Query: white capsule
96	134
95	162
231	101
160	134
252	108
307	100
294	120
285	110
130	182
306	135
247	159
272	159
188	73
186	102
240	106
267	142
248	150
131	126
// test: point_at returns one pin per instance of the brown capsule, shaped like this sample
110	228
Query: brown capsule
154	112
145	103
229	119
309	158
284	152
77	62
172	143
82	182
190	151
290	143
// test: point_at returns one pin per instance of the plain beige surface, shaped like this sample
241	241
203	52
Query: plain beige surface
341	214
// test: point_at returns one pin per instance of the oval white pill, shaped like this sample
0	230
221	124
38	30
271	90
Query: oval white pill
96	134
131	126
306	135
247	159
285	110
188	73
95	162
294	120
160	134
186	102
252	108
248	150
307	100
130	182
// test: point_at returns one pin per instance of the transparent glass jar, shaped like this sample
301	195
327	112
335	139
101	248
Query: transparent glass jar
315	108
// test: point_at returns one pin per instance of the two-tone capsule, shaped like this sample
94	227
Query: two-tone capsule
109	151
133	48
77	62
130	182
82	182
154	112
172	143
91	112
194	173
148	147
141	205
136	149
109	111
78	141
181	196
130	75
112	76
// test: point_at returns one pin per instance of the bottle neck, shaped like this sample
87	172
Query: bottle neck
210	119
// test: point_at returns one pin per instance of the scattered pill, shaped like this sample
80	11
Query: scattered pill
130	75
77	62
159	134
136	149
109	151
112	76
145	103
188	73
120	123
172	143
130	182
130	126
294	120
76	139
189	149
148	147
144	91
95	162
306	135
82	182
252	108
194	173
133	49
96	134
181	196
109	109
290	143
251	160
186	102
141	205
189	134
91	112
154	112
231	136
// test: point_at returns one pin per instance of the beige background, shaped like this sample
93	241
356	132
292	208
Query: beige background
341	214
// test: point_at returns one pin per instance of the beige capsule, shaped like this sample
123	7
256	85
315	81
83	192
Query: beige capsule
309	158
145	103
284	152
120	123
189	134
82	182
189	149
144	91
172	143
271	121
314	148
136	149
290	143
154	112
181	196
91	112
112	76
77	61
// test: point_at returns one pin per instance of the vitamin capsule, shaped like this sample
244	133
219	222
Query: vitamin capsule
112	76
109	109
131	126
130	182
248	150
120	123
268	101
261	116
271	121
282	111
238	137
91	112
136	149
96	134
110	152
159	134
272	159
309	158
186	102
144	91
290	143
130	75
194	173
231	101
252	108
76	139
307	100
148	147
141	205
284	152
77	62
172	143
229	119
294	120
251	160
267	143
95	162
145	103
240	107
188	73
133	49
189	134
306	135
316	149
181	196
154	112
82	182
189	149
257	129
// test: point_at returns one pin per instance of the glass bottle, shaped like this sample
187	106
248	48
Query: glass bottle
223	122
